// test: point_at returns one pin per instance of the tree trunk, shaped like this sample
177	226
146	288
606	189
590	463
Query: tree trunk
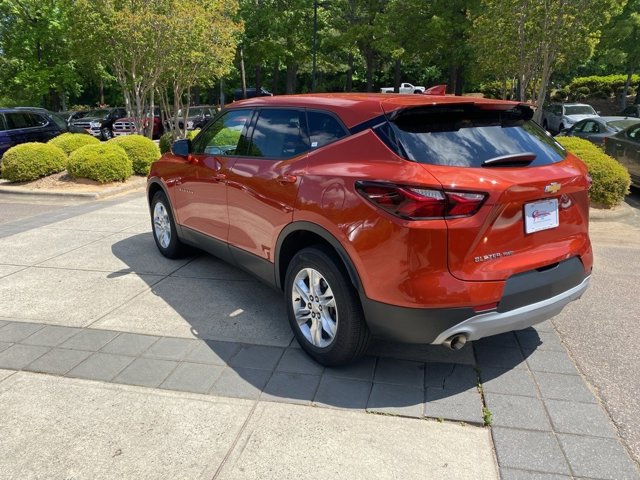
258	79
151	118
101	91
196	95
452	79
396	76
542	87
222	99
276	78
349	85
369	57
623	94
459	80
242	74
292	72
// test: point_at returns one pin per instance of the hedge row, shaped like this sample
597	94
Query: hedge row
82	156
611	180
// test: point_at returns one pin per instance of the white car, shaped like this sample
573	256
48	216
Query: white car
404	88
557	117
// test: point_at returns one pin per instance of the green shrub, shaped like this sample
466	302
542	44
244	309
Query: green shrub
560	95
191	134
103	163
600	83
165	142
610	179
70	142
141	150
30	161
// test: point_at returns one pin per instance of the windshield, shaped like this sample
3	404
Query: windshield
97	113
469	138
579	110
618	125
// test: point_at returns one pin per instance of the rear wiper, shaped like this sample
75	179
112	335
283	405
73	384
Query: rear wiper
513	159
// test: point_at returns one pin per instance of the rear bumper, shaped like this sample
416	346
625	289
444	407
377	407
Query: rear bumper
528	298
493	323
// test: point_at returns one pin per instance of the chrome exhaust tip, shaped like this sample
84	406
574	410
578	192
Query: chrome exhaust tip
455	342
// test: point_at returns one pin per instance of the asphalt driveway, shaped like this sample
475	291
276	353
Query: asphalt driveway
187	368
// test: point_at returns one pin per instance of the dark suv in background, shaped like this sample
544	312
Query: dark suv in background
251	93
99	123
21	125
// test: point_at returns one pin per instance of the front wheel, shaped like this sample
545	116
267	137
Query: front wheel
106	133
323	308
164	227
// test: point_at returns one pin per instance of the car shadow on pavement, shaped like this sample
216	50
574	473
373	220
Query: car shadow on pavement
244	346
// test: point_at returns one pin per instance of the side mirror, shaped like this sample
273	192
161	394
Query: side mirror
598	112
181	148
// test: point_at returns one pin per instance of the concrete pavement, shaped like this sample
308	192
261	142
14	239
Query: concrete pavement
86	298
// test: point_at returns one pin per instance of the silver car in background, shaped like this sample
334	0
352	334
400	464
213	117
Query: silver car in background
558	116
598	128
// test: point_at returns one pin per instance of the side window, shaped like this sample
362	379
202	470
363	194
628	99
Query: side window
225	136
37	120
557	110
580	127
323	129
634	133
3	124
17	120
279	133
590	127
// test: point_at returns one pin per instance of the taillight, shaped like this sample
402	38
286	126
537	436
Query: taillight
417	203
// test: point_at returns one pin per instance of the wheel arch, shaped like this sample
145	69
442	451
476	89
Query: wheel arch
298	235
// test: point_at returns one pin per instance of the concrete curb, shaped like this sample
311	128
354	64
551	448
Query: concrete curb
109	192
606	215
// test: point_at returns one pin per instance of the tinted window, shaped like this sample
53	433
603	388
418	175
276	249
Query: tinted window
578	127
3	124
17	120
323	129
557	110
469	138
621	124
279	134
225	136
634	133
59	121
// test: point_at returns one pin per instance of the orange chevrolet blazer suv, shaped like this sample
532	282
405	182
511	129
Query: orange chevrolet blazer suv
418	218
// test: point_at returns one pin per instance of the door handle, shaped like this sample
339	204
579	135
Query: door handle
219	177
284	179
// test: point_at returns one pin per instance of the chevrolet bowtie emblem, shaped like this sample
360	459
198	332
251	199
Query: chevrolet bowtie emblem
552	188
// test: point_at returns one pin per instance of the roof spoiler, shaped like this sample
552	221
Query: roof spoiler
436	90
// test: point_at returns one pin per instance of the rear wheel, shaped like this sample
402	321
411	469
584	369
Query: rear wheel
164	227
323	308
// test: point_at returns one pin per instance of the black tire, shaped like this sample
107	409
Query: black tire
173	248
351	336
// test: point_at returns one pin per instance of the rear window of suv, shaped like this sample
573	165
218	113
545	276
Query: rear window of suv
467	137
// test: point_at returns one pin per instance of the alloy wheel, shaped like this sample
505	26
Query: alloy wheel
162	225
314	307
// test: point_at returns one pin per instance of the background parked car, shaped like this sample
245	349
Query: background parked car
557	116
127	125
405	88
99	123
624	146
251	93
22	124
598	128
631	111
198	116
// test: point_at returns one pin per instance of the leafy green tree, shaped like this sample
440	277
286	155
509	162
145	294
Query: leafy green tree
622	36
36	62
545	36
